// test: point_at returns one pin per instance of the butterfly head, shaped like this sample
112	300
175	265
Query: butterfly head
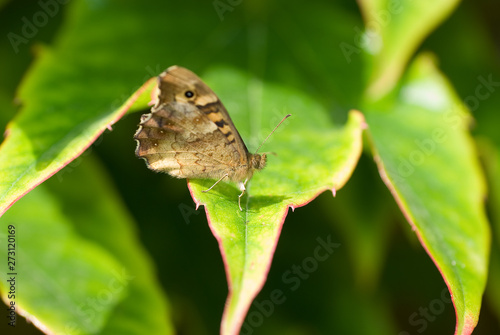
258	161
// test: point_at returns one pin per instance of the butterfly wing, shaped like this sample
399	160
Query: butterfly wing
176	81
189	133
179	139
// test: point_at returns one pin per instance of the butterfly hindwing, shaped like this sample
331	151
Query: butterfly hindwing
179	139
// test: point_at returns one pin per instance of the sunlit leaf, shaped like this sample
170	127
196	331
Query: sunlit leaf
427	159
312	156
394	29
72	275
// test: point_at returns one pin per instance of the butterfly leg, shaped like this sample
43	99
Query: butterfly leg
218	181
242	189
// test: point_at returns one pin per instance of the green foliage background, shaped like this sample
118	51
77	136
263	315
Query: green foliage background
290	55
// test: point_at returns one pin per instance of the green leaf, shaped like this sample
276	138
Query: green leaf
427	159
39	142
71	276
59	273
394	29
75	89
312	156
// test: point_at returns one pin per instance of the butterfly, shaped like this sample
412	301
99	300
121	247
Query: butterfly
189	134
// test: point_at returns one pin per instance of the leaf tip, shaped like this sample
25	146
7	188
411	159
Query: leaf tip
197	202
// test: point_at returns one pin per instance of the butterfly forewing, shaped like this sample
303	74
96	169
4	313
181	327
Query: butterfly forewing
176	81
181	141
189	133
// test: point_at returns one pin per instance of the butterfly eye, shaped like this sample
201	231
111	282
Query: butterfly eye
189	94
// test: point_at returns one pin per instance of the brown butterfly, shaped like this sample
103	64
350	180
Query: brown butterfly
189	134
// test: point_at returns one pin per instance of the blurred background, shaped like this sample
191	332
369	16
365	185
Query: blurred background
356	290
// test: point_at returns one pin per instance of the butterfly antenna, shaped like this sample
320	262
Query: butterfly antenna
286	117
